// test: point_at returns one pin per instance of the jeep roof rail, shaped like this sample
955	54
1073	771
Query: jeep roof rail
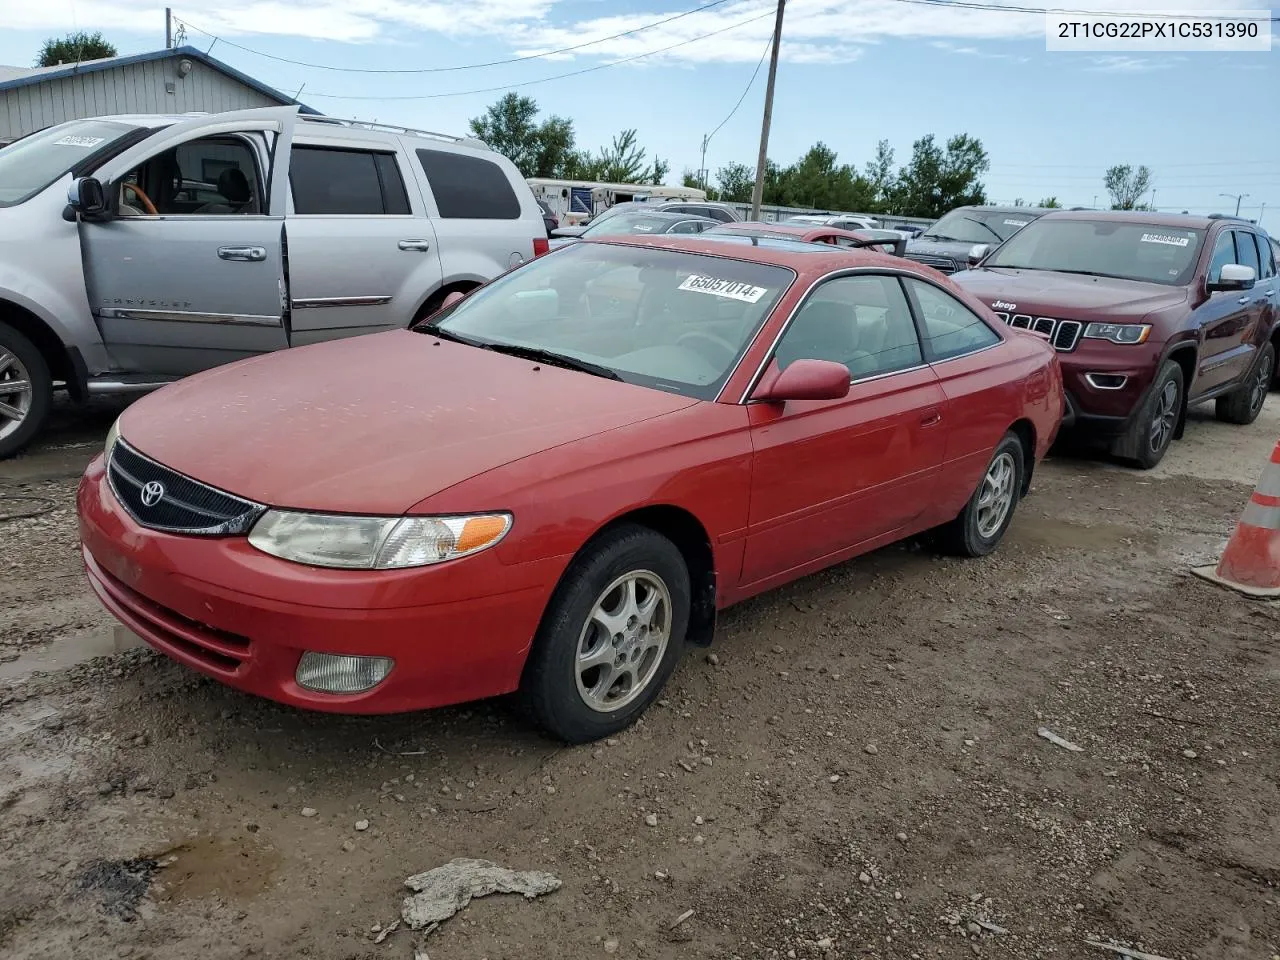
1228	216
393	128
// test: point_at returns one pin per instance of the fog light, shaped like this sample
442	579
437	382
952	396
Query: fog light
1106	381
335	673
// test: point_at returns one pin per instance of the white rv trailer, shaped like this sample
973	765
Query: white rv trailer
576	201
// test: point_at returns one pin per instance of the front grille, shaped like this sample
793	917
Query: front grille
162	499
1063	334
941	264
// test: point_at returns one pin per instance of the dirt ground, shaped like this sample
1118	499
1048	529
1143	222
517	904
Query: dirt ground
855	773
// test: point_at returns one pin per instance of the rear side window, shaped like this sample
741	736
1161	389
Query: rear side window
951	329
1246	252
468	187
1264	256
346	182
715	213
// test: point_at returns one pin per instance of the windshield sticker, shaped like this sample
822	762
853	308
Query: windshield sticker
1016	223
79	141
1166	239
733	289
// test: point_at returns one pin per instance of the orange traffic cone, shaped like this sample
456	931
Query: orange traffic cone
1251	562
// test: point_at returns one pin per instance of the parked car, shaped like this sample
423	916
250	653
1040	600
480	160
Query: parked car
721	212
638	223
121	270
856	239
1150	313
842	221
946	246
699	208
557	481
549	218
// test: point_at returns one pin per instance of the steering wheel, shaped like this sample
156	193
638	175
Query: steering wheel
147	205
701	337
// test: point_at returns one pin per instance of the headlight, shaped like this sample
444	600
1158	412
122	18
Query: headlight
112	436
375	543
1118	332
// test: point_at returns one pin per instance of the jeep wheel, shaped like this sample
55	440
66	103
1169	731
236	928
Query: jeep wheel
1155	423
1244	404
26	390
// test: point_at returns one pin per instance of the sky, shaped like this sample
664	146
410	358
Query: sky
851	72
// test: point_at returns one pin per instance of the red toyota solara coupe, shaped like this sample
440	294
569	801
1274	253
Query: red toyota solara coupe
555	483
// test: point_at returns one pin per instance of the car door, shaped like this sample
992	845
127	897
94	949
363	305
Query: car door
1227	317
956	344
362	252
831	476
187	270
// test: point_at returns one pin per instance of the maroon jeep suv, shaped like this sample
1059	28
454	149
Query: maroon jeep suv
1149	313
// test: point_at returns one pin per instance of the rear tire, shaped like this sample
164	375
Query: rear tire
1243	405
26	391
610	637
1156	421
982	523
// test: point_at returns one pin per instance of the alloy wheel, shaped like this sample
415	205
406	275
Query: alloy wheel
623	641
996	495
15	393
1261	384
1166	417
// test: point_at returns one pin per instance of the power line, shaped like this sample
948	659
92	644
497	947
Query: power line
558	76
750	83
465	66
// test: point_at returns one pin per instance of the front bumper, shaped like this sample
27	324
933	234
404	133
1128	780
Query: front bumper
457	632
1095	409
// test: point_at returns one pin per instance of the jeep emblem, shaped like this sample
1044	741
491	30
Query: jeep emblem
152	493
1001	305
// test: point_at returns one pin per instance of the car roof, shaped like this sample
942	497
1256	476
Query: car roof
992	208
667	215
804	258
1185	221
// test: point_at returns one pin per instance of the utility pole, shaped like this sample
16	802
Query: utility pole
1095	201
702	169
1153	200
757	194
1260	213
1237	197
168	28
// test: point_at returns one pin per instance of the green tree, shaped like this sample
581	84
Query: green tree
879	174
1051	203
938	180
623	160
1126	185
74	48
537	149
736	181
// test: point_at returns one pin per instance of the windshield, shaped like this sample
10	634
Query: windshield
666	319
29	165
976	226
1104	248
623	224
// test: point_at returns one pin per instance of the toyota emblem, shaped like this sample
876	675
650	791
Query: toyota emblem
152	493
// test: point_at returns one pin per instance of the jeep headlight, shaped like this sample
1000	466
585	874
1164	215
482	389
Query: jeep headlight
375	543
112	436
1124	333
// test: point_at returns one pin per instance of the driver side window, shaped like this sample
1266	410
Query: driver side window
862	321
214	176
1224	252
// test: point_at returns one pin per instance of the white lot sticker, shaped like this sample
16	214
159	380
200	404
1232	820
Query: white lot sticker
1166	239
1016	223
78	141
733	289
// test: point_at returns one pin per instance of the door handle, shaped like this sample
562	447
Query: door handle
1244	300
247	254
930	418
421	246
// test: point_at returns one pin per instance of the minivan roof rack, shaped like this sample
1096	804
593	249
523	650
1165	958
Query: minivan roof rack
393	128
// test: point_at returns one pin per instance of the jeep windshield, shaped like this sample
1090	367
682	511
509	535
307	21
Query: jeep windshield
31	164
655	317
1104	248
977	226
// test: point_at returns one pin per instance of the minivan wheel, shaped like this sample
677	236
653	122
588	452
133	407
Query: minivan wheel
1154	424
611	636
1244	404
982	523
26	391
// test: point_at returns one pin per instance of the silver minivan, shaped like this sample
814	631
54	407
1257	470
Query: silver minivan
135	250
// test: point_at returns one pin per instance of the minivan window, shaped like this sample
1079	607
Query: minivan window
1148	253
345	182
467	187
29	165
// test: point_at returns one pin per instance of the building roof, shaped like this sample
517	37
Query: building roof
12	78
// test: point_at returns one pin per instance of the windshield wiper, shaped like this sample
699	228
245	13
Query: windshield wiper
940	236
986	228
432	330
552	358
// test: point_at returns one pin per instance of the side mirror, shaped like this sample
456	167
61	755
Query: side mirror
87	198
978	252
1234	276
804	380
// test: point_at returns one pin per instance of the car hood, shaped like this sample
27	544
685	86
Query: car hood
1066	294
374	424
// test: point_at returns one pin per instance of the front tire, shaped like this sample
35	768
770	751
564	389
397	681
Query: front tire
1151	433
1243	405
26	391
610	637
982	523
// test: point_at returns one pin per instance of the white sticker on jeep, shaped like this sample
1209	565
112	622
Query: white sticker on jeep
1016	223
732	289
78	141
1166	239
